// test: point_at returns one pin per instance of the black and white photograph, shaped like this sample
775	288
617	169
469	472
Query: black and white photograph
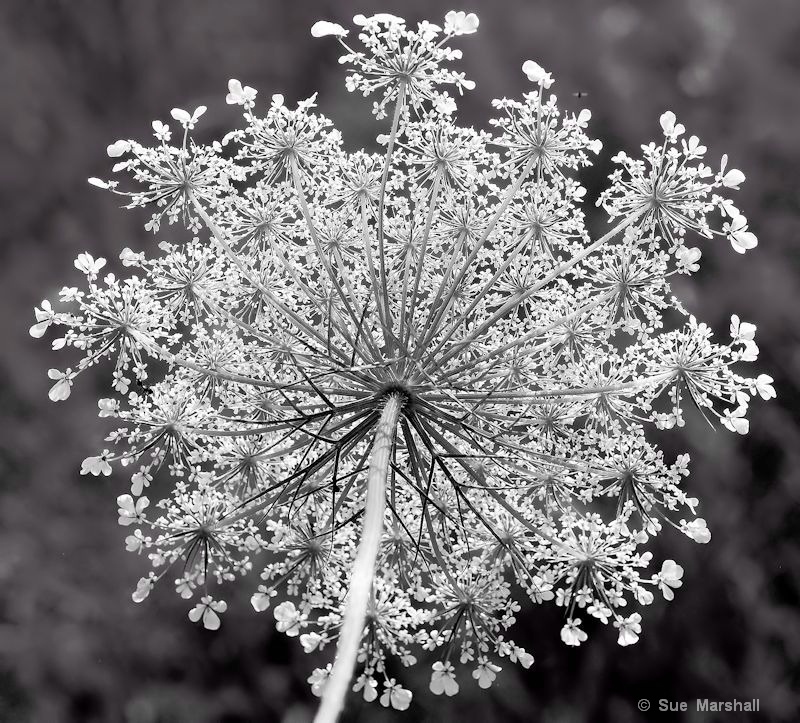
400	362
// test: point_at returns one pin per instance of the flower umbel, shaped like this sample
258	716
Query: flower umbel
407	388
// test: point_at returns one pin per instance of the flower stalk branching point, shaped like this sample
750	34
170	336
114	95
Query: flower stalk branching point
407	390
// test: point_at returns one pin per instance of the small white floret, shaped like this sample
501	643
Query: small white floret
321	28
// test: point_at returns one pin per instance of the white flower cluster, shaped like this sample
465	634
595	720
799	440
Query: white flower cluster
418	361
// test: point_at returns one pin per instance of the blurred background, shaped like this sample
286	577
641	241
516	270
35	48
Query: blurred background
76	75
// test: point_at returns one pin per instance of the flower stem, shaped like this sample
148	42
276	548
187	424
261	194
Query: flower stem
398	110
363	572
513	303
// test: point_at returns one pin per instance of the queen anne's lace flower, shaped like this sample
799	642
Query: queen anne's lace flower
669	578
629	629
571	634
396	696
443	679
537	74
404	63
407	389
208	610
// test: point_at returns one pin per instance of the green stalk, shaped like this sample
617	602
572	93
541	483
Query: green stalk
398	111
362	575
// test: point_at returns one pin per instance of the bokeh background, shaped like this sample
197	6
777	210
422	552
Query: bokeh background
76	75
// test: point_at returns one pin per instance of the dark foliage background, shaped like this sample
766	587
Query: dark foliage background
76	75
